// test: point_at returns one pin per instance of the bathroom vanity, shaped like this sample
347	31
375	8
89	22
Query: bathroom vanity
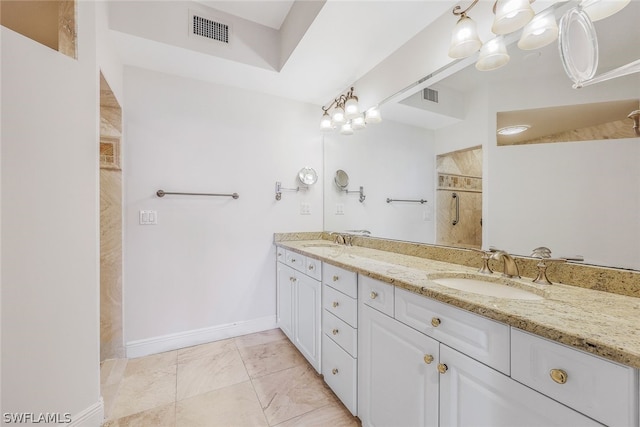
398	348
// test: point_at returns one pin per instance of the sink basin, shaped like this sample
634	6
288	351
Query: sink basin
487	288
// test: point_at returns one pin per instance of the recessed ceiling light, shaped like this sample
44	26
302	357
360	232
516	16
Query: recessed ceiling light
513	130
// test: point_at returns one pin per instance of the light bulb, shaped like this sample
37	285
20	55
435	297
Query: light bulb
464	38
325	122
373	115
493	55
511	15
351	109
346	129
358	123
538	33
337	116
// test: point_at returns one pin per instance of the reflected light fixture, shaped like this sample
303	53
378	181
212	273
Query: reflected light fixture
344	113
600	9
513	130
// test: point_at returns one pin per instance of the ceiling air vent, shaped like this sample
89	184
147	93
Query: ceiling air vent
210	29
430	95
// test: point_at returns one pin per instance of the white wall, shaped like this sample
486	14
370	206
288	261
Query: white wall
209	262
390	160
49	175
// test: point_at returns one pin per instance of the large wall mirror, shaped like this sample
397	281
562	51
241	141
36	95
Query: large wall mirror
577	198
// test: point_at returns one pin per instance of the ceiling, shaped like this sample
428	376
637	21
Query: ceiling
271	13
337	45
341	44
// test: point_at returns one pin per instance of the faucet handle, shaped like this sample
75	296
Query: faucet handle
486	256
541	252
542	270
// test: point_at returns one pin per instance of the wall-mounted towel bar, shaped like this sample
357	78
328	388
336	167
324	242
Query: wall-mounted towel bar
162	193
421	201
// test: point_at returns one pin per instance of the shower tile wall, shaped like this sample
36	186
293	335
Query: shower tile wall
459	172
111	339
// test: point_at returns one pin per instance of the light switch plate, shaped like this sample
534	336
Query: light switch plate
305	208
148	217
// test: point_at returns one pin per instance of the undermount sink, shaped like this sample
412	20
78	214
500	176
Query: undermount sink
487	288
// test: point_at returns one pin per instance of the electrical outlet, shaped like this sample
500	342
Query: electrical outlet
339	209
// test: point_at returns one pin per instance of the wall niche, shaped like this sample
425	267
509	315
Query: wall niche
48	22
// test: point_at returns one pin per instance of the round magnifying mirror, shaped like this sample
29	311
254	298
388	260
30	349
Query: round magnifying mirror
341	179
578	45
307	176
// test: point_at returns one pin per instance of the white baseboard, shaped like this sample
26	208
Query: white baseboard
198	336
93	416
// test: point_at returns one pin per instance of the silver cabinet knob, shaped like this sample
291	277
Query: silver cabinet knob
335	332
335	304
373	295
334	371
335	278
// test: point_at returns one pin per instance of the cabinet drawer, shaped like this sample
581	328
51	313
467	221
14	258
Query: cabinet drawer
341	279
295	260
340	332
340	373
377	294
340	305
603	390
482	339
313	268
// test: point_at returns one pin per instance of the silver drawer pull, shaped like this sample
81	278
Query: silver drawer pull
559	376
293	260
334	371
435	322
311	267
279	254
335	332
373	295
335	304
335	278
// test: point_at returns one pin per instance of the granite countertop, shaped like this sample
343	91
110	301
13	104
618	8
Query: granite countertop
601	323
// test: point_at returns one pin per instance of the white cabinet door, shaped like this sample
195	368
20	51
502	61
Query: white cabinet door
284	285
472	394
397	375
307	315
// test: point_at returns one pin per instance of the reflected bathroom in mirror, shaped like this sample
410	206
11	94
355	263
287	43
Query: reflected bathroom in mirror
575	198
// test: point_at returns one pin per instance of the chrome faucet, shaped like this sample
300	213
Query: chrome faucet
510	266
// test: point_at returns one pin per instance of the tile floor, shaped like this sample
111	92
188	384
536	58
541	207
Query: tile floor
254	380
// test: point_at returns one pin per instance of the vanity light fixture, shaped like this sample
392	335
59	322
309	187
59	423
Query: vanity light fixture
600	9
464	38
513	130
510	16
542	30
493	55
344	113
